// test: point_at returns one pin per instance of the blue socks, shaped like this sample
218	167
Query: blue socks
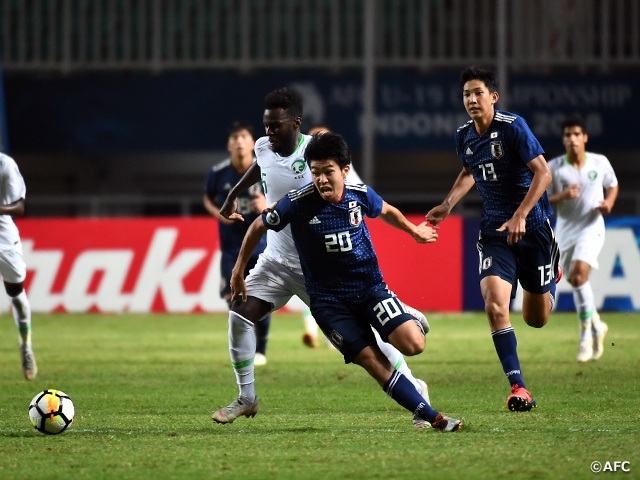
405	394
506	346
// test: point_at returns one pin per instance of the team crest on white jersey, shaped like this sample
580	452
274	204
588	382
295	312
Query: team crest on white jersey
592	175
298	166
496	150
355	216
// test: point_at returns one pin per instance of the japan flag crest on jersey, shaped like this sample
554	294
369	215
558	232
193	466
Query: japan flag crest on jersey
355	216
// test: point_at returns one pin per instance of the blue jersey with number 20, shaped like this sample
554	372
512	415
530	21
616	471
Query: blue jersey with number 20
337	256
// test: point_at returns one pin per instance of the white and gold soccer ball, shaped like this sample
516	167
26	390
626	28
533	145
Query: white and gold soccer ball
51	411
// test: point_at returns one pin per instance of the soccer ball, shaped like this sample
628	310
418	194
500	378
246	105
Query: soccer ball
51	411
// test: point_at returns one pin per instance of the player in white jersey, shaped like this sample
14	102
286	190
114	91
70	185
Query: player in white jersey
281	167
583	189
310	337
12	266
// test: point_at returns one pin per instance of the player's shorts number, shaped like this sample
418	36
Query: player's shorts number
338	242
387	309
545	274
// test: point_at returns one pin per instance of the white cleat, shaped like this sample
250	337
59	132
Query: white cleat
598	340
259	359
585	350
236	409
419	316
29	366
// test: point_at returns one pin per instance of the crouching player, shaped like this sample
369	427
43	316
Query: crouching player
342	277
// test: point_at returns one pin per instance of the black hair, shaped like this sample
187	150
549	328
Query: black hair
239	125
485	76
573	121
328	146
285	98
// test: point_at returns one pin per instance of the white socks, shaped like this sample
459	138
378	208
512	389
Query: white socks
586	308
396	359
310	325
242	349
22	316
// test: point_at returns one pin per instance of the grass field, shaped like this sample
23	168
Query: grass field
144	387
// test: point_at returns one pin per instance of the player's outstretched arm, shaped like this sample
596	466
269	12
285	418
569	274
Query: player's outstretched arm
460	188
422	233
249	243
15	209
228	209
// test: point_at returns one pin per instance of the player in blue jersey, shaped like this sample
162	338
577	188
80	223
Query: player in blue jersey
501	156
251	202
278	275
342	278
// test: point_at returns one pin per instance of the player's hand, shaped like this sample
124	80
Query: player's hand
238	287
437	214
516	228
228	210
605	207
425	233
572	191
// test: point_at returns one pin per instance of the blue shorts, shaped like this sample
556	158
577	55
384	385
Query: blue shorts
348	323
533	260
227	263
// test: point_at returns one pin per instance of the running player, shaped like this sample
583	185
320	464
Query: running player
501	156
347	293
584	188
12	266
278	275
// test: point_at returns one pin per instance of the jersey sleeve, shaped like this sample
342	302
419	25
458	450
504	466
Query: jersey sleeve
12	183
280	216
459	149
525	143
374	203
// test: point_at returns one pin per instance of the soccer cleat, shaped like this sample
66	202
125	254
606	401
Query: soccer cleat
559	276
419	317
520	400
237	409
29	366
259	359
598	339
446	424
310	340
585	350
423	390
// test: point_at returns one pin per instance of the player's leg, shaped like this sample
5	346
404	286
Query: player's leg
261	327
584	257
14	271
310	336
267	290
262	335
355	341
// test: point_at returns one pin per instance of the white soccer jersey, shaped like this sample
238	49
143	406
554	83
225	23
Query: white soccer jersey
280	175
578	217
12	189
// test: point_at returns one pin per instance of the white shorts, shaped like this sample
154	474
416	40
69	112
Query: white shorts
275	283
12	266
585	249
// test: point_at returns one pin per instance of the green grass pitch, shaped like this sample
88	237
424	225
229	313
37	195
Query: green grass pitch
144	388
